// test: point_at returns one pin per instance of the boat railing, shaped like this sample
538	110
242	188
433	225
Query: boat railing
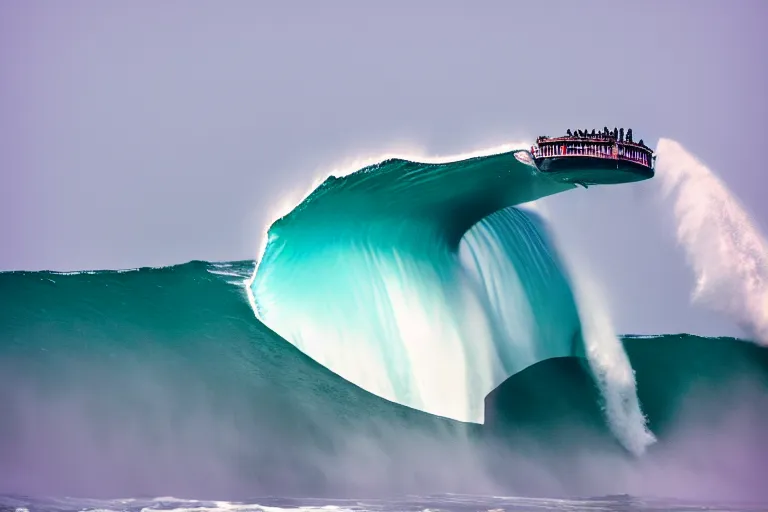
617	151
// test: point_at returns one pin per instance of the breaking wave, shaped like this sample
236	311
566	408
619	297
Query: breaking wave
425	285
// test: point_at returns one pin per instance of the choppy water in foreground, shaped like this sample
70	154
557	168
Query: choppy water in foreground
439	503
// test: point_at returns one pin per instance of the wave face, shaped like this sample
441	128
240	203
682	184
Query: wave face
422	284
727	253
160	382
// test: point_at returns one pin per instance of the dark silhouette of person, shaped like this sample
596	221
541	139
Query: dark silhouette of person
568	133
615	133
594	134
629	134
621	134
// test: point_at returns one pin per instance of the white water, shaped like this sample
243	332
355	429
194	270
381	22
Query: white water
725	250
610	366
605	353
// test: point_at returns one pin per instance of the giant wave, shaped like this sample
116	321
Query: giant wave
424	284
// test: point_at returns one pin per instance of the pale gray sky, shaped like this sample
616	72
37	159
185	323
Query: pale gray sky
152	133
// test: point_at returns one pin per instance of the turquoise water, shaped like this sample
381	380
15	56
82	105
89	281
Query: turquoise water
423	284
410	338
159	382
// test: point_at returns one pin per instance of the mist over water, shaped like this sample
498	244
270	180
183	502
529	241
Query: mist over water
725	250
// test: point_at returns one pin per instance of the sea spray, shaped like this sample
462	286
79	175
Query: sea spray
610	366
726	251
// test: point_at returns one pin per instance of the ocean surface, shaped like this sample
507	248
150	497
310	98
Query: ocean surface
448	502
411	338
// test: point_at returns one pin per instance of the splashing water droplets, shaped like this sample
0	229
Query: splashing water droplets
726	251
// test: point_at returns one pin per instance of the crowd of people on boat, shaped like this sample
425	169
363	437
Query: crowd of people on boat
617	134
595	144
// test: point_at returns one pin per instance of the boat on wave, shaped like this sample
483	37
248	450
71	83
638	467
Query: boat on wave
592	158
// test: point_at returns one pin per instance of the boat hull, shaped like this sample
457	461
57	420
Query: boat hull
589	170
